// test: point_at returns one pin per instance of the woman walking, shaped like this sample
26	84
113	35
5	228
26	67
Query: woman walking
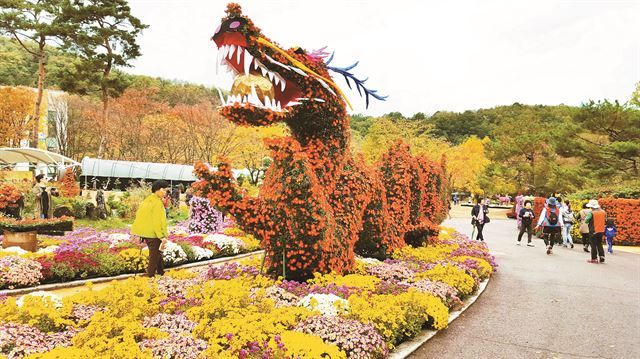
584	227
480	217
526	217
567	218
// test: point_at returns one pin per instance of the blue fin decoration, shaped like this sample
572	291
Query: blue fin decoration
344	71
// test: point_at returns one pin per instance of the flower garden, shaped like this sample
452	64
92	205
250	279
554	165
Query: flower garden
233	311
87	253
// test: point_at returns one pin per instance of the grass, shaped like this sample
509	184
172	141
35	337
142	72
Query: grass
102	224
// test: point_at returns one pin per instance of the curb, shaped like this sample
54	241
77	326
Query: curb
82	282
408	347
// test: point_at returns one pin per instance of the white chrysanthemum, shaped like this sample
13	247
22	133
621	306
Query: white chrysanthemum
118	238
173	253
223	241
326	304
49	249
201	253
56	299
179	231
14	250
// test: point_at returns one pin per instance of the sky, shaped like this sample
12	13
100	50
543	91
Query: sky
427	55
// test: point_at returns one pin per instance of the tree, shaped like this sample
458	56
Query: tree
37	21
524	150
60	118
16	107
103	34
609	139
635	97
252	154
69	187
466	162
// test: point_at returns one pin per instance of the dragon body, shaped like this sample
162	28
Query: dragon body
318	205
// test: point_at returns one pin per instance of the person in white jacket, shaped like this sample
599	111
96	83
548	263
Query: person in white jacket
550	220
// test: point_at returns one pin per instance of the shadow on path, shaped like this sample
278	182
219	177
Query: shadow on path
540	306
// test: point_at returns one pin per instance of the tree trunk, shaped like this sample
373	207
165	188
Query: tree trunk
105	111
41	74
105	118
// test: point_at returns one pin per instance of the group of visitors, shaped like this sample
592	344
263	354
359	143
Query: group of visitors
556	220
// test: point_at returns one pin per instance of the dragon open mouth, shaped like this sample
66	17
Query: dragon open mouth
255	84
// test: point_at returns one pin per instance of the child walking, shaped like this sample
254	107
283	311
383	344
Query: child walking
610	233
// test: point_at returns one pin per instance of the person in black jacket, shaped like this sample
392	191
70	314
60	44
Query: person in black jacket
480	216
526	217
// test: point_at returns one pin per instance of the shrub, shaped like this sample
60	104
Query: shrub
626	216
69	187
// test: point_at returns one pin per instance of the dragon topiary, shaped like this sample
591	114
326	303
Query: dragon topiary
318	205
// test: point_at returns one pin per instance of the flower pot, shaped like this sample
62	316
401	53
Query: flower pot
25	240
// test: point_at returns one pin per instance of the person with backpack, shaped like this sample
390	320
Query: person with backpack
596	220
551	223
584	227
526	217
610	233
567	219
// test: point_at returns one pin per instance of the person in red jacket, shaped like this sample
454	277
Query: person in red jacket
596	221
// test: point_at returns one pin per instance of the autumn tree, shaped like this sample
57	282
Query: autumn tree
466	162
253	154
102	33
34	21
16	107
69	187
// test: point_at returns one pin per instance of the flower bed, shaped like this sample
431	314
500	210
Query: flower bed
234	312
626	216
55	226
87	253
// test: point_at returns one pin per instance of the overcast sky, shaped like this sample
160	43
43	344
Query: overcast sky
426	55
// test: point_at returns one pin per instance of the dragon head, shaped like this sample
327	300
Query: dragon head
272	84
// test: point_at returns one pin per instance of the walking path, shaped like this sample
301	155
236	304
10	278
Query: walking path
539	306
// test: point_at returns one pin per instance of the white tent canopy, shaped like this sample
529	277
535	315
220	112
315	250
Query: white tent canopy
11	156
93	167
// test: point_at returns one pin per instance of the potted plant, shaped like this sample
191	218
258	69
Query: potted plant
23	233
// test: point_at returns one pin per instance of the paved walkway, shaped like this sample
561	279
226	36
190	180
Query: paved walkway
539	306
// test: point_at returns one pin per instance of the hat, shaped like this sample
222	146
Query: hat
593	203
552	201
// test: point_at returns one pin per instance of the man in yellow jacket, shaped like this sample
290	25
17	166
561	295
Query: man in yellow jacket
151	226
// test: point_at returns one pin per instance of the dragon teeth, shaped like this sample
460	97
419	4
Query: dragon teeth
248	59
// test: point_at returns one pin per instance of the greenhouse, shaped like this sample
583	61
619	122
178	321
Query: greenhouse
110	174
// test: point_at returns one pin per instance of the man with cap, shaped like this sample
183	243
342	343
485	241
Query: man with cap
551	222
596	220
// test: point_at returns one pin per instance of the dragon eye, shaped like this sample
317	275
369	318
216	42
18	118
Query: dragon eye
234	25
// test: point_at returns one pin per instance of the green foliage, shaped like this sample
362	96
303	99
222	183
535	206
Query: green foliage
110	264
102	224
188	250
608	136
121	209
629	189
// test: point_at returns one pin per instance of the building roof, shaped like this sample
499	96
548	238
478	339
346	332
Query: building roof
10	156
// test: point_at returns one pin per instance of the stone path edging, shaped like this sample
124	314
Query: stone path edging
82	282
406	348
